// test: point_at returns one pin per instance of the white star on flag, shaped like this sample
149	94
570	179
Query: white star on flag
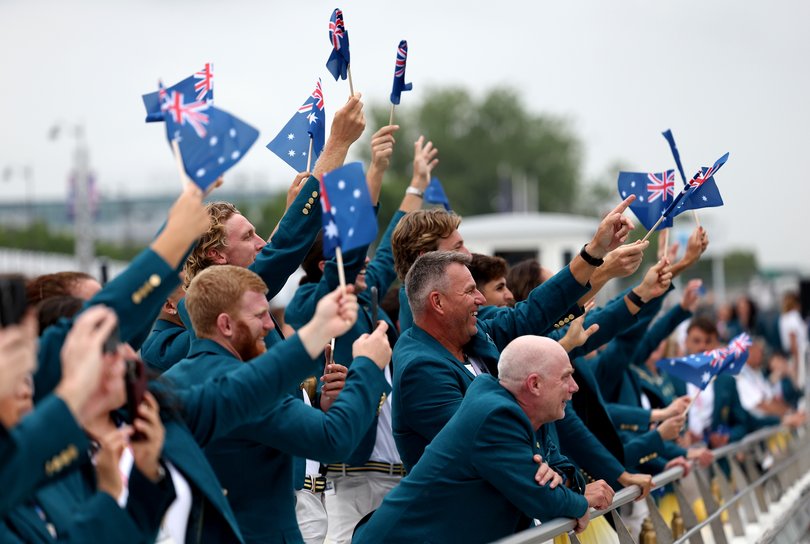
291	136
341	185
632	184
356	193
704	198
331	230
705	378
291	153
312	118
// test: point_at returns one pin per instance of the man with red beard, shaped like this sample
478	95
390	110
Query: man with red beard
230	315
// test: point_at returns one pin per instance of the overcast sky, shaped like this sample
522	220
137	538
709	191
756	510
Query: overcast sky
724	75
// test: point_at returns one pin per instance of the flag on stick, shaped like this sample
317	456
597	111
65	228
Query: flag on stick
199	85
307	126
653	193
338	62
434	194
399	73
348	215
675	153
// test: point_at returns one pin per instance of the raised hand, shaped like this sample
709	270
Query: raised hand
148	448
107	459
332	383
546	475
577	335
691	295
295	188
334	315
656	281
670	428
425	159
612	231
623	261
18	353
375	346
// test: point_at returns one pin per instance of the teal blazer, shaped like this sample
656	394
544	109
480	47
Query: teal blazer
429	382
277	260
46	444
475	481
262	450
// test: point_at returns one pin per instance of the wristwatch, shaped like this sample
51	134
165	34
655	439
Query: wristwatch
593	261
411	190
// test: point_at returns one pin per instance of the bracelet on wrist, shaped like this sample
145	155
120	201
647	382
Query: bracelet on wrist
591	260
634	297
411	190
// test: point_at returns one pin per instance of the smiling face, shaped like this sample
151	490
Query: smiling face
251	323
454	242
497	293
460	303
242	244
557	387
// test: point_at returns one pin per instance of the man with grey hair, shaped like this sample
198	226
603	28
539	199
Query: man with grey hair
436	360
484	457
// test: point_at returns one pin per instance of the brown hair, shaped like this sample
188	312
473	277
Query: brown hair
419	232
704	324
216	290
219	213
790	302
59	284
523	277
484	269
428	274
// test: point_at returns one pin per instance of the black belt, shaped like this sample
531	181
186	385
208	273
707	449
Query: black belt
315	484
392	469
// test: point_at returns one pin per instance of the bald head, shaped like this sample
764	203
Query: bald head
537	372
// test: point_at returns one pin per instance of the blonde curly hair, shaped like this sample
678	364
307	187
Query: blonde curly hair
198	260
419	232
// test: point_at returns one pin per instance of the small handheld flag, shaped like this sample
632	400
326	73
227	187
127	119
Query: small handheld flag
399	73
199	85
700	368
700	192
653	193
434	194
348	215
210	140
339	59
675	153
307	125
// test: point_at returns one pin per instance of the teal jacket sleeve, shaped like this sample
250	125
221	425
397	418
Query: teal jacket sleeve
502	452
405	314
538	313
629	418
296	232
658	332
580	445
136	295
380	271
332	436
166	345
614	318
46	443
214	408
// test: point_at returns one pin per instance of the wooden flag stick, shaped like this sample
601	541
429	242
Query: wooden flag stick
309	155
341	272
693	399
391	117
351	85
649	232
666	242
695	215
178	158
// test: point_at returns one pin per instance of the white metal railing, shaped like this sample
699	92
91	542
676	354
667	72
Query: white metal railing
749	477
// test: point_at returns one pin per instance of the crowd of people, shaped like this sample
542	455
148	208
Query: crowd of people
438	396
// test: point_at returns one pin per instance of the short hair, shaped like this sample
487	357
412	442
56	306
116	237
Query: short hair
52	309
526	355
216	290
428	274
214	238
419	232
704	324
312	262
60	284
523	277
485	269
791	301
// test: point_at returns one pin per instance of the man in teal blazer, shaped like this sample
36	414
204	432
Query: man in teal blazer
482	460
254	462
232	239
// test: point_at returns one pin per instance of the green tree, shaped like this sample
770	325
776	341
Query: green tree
477	140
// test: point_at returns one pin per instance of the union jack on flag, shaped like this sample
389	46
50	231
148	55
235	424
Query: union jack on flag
740	344
339	59
399	73
205	83
661	186
717	356
317	95
304	132
192	112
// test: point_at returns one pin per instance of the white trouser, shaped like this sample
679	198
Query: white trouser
310	511
355	495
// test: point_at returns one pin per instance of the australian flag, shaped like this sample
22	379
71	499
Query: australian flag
399	73
338	62
199	85
675	153
700	192
211	140
434	194
292	143
700	368
349	220
653	193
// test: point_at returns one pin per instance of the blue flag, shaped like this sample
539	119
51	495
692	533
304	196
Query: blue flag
338	62
292	143
653	193
200	85
348	215
700	192
211	140
399	73
675	153
700	368
434	194
738	350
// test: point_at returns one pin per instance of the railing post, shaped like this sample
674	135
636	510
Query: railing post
740	483
727	495
688	515
662	533
711	506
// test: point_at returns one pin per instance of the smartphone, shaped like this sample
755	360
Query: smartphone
136	382
113	340
12	299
